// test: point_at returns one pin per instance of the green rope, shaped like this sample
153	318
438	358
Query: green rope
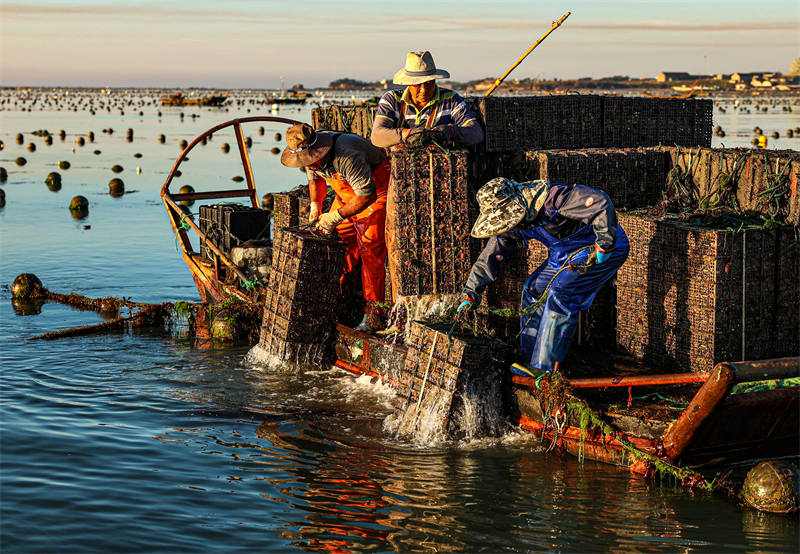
251	285
777	188
725	187
543	297
442	148
183	225
590	417
347	118
674	404
756	386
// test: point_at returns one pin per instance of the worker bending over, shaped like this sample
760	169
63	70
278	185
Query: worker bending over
579	226
358	173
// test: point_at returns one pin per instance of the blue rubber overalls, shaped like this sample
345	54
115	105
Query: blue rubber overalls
547	333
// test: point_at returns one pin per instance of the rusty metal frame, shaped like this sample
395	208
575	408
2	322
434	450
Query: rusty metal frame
677	440
202	276
624	381
719	384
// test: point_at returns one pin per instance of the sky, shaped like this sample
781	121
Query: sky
253	43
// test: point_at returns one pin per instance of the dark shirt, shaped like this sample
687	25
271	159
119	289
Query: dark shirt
396	112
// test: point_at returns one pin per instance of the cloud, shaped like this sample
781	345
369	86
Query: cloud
376	21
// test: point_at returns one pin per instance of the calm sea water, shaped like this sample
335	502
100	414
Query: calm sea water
142	442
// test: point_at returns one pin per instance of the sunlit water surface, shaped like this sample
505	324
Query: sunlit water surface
141	442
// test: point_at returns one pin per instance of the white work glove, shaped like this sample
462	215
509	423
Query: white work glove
328	222
314	211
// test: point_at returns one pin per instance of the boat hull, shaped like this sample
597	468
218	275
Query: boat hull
734	427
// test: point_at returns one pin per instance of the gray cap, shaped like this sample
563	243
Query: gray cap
504	204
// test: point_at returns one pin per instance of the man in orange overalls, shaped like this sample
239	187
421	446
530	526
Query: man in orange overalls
358	173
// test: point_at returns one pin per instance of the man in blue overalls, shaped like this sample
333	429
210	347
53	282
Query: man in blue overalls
579	226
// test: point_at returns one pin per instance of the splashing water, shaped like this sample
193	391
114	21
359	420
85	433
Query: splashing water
414	308
275	353
439	416
481	413
309	355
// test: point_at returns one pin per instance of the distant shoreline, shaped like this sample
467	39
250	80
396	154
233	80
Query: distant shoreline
314	94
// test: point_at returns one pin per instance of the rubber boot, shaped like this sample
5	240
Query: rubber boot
554	338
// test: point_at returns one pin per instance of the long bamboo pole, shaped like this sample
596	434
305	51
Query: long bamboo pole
555	26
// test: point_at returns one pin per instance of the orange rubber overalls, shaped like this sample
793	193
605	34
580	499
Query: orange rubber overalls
364	233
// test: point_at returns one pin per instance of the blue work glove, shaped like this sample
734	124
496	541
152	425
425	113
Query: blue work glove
466	304
600	255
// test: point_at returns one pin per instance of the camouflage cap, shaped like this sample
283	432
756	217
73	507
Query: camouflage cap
504	204
502	208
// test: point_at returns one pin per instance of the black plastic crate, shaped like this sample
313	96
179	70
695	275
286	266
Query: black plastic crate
229	225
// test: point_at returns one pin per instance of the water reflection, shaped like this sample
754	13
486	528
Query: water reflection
27	307
376	495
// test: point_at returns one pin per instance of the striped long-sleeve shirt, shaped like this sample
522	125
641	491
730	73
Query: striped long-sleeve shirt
396	112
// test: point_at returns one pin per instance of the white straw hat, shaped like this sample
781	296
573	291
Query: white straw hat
419	69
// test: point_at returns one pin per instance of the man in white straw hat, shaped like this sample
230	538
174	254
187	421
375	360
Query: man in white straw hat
423	108
416	115
587	247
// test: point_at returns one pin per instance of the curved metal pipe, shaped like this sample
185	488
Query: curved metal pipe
232	122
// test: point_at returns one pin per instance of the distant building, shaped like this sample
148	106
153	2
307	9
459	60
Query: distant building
666	76
745	77
764	82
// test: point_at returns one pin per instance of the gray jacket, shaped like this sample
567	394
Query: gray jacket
353	159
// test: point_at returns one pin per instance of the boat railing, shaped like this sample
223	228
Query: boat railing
178	218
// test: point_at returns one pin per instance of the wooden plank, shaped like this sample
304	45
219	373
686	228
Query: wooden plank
210	194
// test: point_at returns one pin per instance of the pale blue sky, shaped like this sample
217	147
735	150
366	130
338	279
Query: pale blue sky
251	43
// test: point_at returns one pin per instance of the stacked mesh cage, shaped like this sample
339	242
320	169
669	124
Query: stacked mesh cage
591	121
632	177
689	297
432	224
290	210
569	121
347	119
738	178
440	364
638	121
229	225
303	288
